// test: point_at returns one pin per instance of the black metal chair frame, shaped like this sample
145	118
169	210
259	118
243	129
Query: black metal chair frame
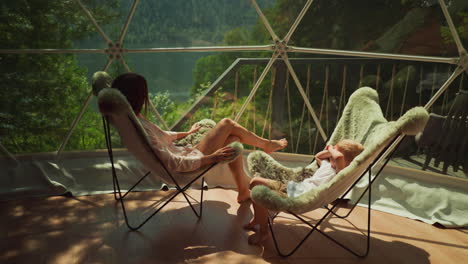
331	211
118	196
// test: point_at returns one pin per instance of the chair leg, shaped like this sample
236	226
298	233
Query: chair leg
131	188
315	228
105	125
115	190
178	191
201	196
120	197
127	222
371	181
200	210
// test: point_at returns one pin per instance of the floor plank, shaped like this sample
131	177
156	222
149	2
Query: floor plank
90	229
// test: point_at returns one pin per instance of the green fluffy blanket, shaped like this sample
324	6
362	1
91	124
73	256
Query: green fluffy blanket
362	121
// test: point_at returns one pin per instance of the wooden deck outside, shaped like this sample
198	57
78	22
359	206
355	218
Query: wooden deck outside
90	229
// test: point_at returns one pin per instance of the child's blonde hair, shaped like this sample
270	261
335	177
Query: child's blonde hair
349	148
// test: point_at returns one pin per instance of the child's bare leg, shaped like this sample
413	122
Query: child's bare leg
260	213
257	218
261	219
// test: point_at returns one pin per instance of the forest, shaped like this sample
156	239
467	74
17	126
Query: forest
42	93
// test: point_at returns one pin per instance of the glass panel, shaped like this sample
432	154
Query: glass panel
440	148
402	27
227	99
401	85
110	15
181	23
44	93
45	24
281	17
89	133
40	97
458	10
178	79
92	63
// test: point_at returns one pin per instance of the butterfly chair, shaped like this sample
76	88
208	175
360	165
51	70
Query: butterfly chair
445	139
116	111
362	121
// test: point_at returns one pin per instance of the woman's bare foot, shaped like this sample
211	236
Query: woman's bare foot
243	196
274	145
258	237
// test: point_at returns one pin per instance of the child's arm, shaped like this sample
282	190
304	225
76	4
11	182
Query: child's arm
338	158
324	154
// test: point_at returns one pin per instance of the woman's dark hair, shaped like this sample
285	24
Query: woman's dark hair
135	88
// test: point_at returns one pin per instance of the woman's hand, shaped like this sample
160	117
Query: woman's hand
195	127
222	154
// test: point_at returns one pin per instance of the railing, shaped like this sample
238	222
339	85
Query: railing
328	83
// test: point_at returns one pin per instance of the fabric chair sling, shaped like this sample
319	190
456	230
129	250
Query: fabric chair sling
116	111
331	210
362	121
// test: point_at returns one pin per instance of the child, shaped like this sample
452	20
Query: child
331	161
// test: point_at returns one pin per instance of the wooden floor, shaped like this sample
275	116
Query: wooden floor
89	229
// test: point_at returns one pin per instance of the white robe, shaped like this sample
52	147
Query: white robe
176	158
324	174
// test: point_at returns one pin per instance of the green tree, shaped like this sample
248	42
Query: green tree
41	93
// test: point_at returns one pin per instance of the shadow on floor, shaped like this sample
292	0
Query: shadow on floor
68	230
320	248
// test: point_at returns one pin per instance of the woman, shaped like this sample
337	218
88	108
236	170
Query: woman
211	149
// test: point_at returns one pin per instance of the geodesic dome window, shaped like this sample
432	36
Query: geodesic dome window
280	68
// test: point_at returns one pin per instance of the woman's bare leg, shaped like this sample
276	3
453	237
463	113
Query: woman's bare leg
239	175
227	127
222	134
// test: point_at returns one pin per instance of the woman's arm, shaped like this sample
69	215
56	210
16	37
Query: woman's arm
187	163
222	154
193	129
159	138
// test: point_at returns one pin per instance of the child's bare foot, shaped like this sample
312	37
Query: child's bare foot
258	238
274	145
243	196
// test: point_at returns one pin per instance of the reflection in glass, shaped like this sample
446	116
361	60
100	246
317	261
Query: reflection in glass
41	95
184	23
401	27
